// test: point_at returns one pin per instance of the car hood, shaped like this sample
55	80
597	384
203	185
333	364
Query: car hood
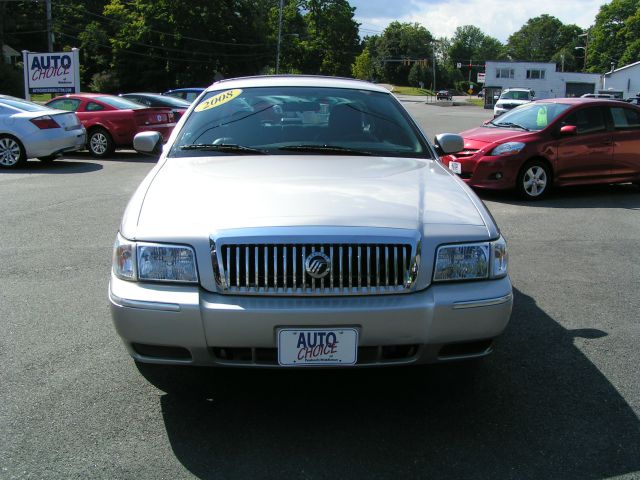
507	101
196	196
488	135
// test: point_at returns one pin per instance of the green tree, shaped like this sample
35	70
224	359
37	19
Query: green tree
470	45
540	39
364	68
615	35
402	40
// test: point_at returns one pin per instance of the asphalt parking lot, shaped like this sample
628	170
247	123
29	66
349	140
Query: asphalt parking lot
559	398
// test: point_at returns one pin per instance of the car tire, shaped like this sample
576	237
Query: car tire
534	180
12	152
99	143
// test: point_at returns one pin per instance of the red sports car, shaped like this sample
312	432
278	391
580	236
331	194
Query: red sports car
554	142
112	122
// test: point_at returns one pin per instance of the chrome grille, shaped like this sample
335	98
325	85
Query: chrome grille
279	269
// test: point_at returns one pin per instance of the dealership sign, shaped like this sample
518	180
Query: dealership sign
51	72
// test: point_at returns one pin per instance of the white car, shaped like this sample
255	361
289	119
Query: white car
29	130
301	221
512	98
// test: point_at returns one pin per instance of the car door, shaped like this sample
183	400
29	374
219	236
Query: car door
625	164
585	157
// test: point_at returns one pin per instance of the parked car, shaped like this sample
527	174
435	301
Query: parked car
556	142
300	221
444	95
177	105
112	122
598	95
188	94
633	100
512	98
29	130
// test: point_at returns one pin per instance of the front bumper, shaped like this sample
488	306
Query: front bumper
485	171
442	322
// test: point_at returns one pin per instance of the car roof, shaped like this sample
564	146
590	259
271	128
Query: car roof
581	100
190	89
296	81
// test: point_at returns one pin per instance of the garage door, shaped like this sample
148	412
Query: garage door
579	89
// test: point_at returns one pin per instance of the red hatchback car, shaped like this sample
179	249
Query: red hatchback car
554	142
112	121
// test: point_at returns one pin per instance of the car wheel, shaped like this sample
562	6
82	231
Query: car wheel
534	180
100	143
12	153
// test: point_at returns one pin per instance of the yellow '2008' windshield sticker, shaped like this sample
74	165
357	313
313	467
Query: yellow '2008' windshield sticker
219	99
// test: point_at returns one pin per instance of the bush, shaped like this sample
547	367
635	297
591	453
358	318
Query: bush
11	80
104	82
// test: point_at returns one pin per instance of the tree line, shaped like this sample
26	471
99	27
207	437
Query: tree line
159	44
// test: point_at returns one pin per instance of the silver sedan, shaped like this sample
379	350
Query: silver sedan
300	222
29	130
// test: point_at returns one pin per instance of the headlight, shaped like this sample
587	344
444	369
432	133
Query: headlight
471	261
509	148
154	262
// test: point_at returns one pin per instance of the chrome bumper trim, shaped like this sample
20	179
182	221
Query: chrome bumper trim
144	305
483	303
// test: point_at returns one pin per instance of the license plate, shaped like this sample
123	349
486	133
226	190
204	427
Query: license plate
455	167
317	346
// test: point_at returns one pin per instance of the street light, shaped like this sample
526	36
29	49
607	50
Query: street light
586	46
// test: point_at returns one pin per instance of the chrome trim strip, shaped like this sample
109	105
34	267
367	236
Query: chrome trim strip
142	304
483	303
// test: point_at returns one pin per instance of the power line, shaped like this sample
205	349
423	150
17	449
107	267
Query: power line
212	42
175	50
146	55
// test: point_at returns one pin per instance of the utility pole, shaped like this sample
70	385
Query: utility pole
49	27
279	38
434	65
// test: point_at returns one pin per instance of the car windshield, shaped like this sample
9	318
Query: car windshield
295	120
22	104
531	116
120	103
515	95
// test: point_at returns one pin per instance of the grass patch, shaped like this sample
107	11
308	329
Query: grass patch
411	91
479	102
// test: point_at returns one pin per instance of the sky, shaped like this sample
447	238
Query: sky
498	18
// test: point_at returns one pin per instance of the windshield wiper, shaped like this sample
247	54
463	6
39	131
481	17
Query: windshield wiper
332	149
509	124
223	147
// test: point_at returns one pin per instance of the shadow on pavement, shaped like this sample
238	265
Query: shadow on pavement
56	167
624	195
117	156
537	408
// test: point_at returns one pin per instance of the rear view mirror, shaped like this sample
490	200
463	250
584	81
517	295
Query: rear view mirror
568	130
447	143
149	143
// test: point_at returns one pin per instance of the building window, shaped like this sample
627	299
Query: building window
535	74
504	73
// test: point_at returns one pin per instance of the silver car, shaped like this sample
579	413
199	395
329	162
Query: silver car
29	130
301	221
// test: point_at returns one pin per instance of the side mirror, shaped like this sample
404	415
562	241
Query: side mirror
447	143
568	130
149	143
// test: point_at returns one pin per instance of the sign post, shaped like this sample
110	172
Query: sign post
57	72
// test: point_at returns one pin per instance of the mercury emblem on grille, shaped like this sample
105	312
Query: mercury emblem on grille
317	265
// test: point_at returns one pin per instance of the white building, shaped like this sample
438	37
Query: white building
542	78
624	79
